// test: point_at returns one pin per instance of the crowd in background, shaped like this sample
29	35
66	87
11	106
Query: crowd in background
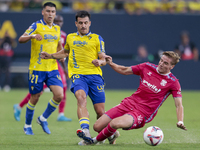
131	7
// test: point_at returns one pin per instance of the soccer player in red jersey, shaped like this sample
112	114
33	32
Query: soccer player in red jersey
156	84
63	73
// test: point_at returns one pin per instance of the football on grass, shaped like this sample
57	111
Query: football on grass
153	136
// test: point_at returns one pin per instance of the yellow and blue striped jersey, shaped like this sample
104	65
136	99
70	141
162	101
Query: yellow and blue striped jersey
82	51
49	43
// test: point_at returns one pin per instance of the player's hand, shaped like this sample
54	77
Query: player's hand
181	126
38	37
45	55
108	59
96	62
62	60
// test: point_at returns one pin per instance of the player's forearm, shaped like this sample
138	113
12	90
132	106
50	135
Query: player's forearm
179	112
25	38
118	68
59	55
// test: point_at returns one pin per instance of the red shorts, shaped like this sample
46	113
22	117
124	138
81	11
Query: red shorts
120	110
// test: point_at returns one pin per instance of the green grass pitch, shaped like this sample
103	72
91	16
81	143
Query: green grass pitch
63	134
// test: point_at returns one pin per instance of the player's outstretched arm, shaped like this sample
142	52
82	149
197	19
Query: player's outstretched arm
179	112
118	68
59	55
25	37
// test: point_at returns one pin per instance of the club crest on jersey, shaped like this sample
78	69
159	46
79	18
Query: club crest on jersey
163	82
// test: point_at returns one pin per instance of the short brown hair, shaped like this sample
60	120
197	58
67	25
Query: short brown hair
175	57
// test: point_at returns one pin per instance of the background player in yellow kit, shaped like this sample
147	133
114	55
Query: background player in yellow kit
44	36
86	54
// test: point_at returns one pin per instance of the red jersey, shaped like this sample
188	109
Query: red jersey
153	90
60	68
63	37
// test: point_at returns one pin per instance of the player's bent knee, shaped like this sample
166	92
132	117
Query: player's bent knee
97	127
58	98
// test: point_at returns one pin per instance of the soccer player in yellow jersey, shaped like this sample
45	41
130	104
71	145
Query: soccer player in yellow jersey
86	54
44	36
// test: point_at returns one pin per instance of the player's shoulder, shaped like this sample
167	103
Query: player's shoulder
172	77
95	35
151	65
72	34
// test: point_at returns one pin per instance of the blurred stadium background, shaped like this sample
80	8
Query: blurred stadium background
124	25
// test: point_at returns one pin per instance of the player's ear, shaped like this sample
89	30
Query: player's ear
76	23
172	66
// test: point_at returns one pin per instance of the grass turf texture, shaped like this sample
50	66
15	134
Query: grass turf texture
63	134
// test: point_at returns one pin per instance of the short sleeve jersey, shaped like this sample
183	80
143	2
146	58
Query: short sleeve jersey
153	90
82	51
50	38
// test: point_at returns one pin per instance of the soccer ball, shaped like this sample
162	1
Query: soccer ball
153	136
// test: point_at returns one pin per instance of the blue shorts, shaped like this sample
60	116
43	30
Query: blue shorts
36	80
93	85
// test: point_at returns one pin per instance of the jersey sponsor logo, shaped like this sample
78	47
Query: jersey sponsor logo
39	58
80	43
50	38
163	82
151	86
74	60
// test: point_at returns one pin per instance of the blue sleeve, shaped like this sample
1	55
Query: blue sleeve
31	29
102	44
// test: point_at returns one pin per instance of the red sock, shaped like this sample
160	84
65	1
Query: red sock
105	133
25	100
62	103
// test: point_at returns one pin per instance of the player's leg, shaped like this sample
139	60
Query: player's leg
125	121
56	87
82	111
130	120
18	107
30	108
61	116
97	94
80	89
35	89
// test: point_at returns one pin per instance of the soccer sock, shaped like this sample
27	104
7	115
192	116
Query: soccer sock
84	122
105	133
30	108
51	107
25	100
62	103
